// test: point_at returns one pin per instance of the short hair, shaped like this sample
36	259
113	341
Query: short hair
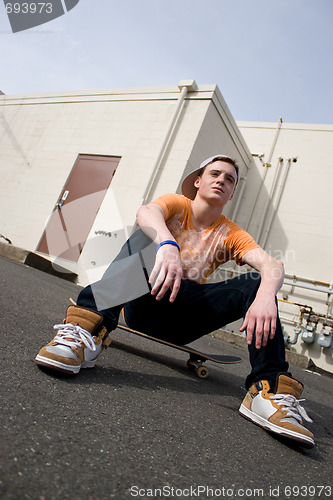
226	159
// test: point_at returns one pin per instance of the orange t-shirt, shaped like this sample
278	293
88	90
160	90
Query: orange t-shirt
203	251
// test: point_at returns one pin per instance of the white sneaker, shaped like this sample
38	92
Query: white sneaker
77	344
279	411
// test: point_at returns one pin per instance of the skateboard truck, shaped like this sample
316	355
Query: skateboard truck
197	365
196	360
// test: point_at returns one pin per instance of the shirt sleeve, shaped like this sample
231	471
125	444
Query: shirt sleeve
238	243
171	204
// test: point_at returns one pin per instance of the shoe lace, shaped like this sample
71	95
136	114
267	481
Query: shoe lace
292	406
73	335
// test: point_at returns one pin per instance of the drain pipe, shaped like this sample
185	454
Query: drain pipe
277	133
266	165
269	198
184	86
281	189
239	198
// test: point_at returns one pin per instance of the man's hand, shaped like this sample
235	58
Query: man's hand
168	271
261	317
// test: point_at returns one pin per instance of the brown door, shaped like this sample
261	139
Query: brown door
76	209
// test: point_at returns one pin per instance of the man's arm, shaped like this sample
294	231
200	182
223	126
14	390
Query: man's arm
167	269
262	314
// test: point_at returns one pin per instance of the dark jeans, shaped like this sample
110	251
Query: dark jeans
197	311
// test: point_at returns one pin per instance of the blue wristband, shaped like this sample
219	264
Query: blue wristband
168	242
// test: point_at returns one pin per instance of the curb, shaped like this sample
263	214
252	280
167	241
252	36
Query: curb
31	259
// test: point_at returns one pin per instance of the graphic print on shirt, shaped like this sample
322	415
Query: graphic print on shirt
201	251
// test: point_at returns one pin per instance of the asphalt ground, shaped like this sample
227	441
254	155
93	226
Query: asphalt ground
140	424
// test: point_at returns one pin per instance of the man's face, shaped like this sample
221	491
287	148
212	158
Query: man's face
217	183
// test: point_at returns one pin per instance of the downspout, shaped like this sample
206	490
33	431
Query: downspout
239	198
269	198
282	186
266	165
184	86
277	133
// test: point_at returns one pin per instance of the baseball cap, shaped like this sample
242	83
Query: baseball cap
188	188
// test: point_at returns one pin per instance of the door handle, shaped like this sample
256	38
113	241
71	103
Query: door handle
62	200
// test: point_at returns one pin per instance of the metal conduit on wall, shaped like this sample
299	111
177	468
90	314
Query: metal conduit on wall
269	198
184	86
279	196
267	165
234	214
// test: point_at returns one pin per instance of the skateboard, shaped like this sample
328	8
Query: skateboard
196	360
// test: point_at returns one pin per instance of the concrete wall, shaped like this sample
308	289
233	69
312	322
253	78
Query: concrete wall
42	135
301	233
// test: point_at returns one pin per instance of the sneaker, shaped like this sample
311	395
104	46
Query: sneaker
278	411
77	344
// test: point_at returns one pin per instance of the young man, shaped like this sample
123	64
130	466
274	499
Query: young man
193	238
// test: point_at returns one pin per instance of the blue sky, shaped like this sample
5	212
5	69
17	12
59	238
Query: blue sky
270	58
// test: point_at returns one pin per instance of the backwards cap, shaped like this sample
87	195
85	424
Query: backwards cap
188	188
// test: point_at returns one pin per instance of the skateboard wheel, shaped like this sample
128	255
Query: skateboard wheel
202	372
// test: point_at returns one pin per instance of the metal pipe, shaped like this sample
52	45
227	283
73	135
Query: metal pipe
166	138
269	198
304	306
274	211
277	133
283	319
266	165
308	280
257	196
295	339
308	287
239	198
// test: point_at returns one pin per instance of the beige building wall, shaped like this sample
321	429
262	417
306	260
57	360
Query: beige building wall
160	134
297	223
157	132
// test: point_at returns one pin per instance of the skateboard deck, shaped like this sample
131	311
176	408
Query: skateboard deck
196	360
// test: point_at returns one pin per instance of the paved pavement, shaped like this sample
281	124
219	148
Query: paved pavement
139	425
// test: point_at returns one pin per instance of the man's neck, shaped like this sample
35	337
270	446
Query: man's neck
203	214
